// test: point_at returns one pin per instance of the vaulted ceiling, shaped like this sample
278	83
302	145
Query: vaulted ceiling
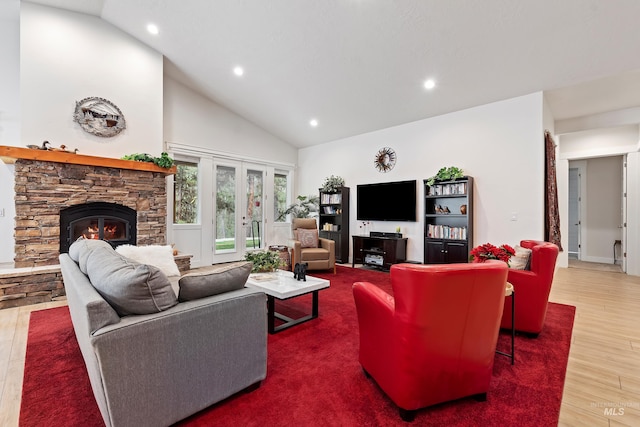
359	65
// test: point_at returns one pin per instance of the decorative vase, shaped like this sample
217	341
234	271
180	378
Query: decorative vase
463	209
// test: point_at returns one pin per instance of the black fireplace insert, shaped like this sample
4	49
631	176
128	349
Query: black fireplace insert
111	222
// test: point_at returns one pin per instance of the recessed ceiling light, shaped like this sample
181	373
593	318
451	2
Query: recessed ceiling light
313	122
238	71
429	84
153	29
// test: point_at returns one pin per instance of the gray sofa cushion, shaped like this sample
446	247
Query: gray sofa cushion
212	282
81	248
129	287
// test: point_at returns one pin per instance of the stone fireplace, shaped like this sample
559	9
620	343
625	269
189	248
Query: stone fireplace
59	196
45	189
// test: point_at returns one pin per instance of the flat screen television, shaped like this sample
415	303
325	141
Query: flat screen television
387	201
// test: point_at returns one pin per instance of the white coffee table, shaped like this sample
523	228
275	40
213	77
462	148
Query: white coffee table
281	285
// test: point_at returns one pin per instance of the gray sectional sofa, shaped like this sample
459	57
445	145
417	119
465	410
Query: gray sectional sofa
157	368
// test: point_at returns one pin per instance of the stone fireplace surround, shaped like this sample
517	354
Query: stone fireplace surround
44	187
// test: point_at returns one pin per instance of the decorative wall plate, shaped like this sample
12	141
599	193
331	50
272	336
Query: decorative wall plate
99	116
385	159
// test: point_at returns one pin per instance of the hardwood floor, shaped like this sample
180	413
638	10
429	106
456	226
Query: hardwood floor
602	386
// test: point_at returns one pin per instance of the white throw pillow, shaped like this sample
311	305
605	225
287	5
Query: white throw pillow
520	261
160	256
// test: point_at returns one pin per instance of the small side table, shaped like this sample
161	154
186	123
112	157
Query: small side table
509	291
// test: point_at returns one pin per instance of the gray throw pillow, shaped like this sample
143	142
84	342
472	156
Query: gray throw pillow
212	282
81	248
128	286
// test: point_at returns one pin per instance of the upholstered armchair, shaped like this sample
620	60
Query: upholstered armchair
434	340
532	288
318	253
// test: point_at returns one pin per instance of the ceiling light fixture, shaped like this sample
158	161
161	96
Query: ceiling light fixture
313	122
429	84
238	71
153	29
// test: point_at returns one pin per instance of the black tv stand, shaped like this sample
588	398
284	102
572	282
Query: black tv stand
380	250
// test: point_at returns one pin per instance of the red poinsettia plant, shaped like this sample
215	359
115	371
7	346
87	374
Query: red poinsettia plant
488	251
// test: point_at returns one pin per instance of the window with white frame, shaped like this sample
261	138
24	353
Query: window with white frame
280	195
185	193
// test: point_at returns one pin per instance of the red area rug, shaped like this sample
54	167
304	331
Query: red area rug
313	375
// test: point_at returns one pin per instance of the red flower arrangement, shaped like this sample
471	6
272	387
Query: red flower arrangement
488	251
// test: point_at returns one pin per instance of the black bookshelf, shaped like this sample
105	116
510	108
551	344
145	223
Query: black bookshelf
448	221
334	220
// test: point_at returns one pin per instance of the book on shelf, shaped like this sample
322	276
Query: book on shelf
448	189
331	199
446	232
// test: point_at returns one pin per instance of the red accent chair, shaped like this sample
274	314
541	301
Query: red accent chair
532	288
435	339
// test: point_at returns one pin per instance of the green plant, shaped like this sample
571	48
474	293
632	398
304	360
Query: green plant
332	184
306	207
446	174
264	261
164	161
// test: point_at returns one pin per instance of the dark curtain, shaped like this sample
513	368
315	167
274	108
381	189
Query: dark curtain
551	214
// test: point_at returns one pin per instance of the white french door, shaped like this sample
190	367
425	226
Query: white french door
239	201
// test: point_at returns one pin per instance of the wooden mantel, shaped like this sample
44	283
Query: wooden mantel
10	154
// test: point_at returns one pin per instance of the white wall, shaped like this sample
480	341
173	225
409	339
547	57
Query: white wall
9	117
193	122
67	56
7	215
64	57
500	144
10	72
633	213
190	118
599	142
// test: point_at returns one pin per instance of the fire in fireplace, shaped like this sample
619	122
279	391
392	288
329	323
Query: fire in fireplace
111	222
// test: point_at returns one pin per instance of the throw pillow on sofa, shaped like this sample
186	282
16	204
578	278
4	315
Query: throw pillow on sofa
80	249
521	260
160	256
128	286
226	278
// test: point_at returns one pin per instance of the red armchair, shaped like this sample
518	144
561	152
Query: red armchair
532	288
435	339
